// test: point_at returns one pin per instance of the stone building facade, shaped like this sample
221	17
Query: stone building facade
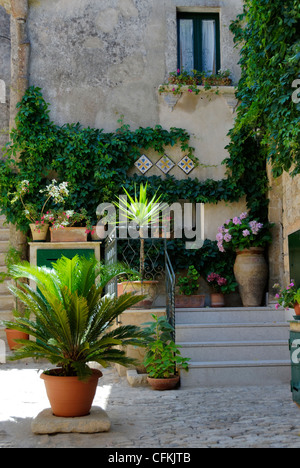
99	61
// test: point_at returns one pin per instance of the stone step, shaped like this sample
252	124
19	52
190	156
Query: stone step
253	331
236	373
230	315
4	234
236	350
6	302
2	222
2	259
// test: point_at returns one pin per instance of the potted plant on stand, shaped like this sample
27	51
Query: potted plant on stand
142	213
248	237
38	219
288	297
163	359
73	326
69	225
188	287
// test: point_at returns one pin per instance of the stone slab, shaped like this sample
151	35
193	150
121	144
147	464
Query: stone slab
136	380
46	423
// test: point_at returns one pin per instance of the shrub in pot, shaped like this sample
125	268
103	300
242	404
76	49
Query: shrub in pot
72	327
163	357
142	213
188	286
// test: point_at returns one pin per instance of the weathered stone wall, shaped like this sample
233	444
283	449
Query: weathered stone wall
97	61
4	76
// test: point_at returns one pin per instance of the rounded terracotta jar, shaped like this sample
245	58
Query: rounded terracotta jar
251	273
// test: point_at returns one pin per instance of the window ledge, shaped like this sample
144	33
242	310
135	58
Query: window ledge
171	98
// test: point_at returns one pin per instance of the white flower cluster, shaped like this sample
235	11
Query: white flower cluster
57	192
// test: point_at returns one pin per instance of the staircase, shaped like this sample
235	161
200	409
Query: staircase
234	346
6	299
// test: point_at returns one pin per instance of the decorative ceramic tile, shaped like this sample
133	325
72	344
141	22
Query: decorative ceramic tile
165	164
186	164
143	164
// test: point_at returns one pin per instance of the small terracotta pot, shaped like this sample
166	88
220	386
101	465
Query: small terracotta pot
68	234
39	233
70	397
12	335
297	309
190	302
217	300
163	384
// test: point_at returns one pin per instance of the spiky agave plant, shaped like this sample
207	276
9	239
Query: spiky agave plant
72	319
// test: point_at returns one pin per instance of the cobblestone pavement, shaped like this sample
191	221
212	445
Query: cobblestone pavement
244	417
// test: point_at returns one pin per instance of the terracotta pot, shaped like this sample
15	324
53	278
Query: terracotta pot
99	233
39	233
217	300
191	302
12	335
251	273
68	234
163	384
148	288
297	308
70	397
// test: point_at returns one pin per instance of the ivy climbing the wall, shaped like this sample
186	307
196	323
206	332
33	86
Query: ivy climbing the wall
268	121
96	164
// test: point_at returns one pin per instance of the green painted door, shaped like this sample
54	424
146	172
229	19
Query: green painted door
45	257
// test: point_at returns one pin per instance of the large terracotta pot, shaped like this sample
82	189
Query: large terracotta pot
189	302
12	335
148	288
39	233
163	384
297	309
70	397
251	273
68	234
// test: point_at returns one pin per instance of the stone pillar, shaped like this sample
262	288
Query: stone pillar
276	251
20	50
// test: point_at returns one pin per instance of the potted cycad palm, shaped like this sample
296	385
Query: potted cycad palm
72	326
142	212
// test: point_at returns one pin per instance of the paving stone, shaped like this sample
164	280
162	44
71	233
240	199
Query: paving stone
237	417
46	423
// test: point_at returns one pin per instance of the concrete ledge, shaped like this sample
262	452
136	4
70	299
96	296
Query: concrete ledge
47	423
136	380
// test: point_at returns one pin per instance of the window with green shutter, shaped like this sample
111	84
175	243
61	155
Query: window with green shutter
199	42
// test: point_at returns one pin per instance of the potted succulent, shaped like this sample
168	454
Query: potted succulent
188	287
288	297
248	238
69	225
38	219
142	212
163	359
72	327
221	286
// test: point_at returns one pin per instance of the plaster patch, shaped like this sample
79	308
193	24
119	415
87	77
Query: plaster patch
2	92
107	20
93	43
127	8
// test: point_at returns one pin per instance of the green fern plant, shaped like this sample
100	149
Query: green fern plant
72	319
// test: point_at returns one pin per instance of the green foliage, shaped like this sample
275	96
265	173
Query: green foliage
267	125
189	284
163	356
96	164
72	319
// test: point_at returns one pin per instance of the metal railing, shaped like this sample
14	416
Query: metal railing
157	264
